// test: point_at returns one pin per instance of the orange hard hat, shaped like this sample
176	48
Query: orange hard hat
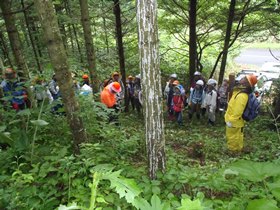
116	87
176	82
9	71
85	76
252	79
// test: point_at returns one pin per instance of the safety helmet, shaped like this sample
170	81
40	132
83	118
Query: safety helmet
116	87
115	74
197	73
85	76
200	82
212	82
173	76
9	71
138	76
252	79
176	82
130	77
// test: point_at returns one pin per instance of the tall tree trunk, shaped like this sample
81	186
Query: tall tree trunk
31	37
106	35
78	43
89	44
192	39
14	39
60	64
148	44
5	50
68	10
227	40
71	38
58	10
119	36
34	30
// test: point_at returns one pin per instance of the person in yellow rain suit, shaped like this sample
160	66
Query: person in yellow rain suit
236	107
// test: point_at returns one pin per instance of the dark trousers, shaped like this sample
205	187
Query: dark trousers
195	108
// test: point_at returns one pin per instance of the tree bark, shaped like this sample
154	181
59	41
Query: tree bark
89	44
68	10
148	44
35	32
5	50
119	37
14	40
192	39
31	38
227	40
58	10
60	64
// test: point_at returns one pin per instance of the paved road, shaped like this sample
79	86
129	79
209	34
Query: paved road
256	57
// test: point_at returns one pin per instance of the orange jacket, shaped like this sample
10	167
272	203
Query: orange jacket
108	98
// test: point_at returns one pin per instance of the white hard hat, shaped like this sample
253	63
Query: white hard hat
197	73
212	82
200	82
138	76
173	76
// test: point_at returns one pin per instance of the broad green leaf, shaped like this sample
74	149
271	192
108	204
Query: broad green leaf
72	207
100	200
5	139
3	128
156	204
275	189
262	204
39	122
103	168
188	204
255	171
124	187
24	112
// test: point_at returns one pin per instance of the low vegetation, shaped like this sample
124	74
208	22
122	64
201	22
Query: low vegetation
111	171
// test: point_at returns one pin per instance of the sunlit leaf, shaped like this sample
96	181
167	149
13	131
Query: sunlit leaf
255	171
39	122
262	204
124	187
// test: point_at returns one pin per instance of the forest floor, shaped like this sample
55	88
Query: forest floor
199	166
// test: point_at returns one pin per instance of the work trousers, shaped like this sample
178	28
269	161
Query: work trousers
235	138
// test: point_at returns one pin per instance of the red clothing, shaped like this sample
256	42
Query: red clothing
108	98
178	103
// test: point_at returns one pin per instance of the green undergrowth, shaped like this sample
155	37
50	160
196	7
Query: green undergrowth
111	171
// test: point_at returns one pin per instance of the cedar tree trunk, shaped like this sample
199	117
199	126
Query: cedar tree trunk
192	39
227	40
61	67
14	39
89	44
119	36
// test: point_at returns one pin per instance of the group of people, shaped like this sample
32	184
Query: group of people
13	92
113	93
206	97
201	97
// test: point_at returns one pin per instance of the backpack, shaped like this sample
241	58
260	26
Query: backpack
252	108
178	103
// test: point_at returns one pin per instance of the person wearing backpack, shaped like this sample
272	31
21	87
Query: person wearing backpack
178	101
234	114
196	99
14	92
